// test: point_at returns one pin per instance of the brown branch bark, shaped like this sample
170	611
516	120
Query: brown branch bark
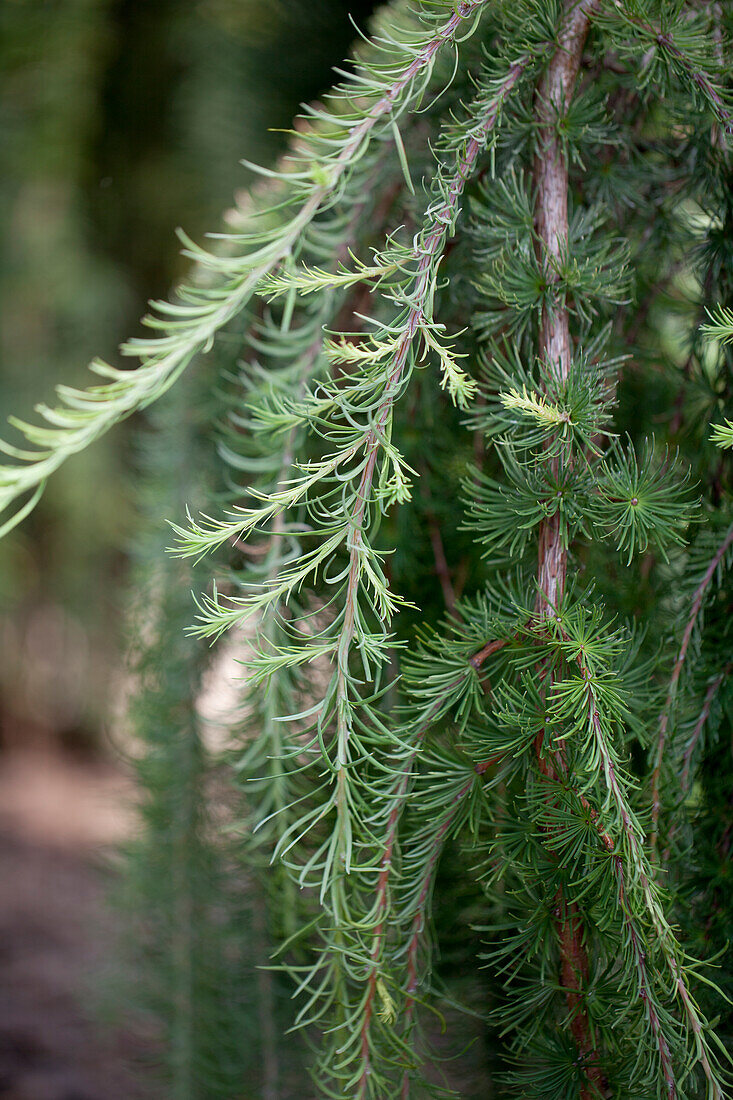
555	353
551	223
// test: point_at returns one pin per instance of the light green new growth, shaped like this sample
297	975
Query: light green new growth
723	434
441	539
536	407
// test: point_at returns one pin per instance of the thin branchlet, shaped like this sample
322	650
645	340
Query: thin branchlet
696	605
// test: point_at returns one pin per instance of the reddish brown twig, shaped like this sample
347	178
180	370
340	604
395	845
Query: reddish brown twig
555	353
712	691
442	568
441	564
483	654
427	254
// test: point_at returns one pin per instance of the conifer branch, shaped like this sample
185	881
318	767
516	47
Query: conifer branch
419	918
336	859
431	246
433	242
350	786
691	66
394	353
635	885
665	939
695	608
267	766
397	800
697	76
645	990
712	690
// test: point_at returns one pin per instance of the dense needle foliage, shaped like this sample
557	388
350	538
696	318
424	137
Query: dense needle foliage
471	542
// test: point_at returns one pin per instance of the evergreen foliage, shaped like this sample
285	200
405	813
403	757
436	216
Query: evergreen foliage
474	546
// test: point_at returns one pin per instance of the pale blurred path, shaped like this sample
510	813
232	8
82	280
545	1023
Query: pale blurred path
60	816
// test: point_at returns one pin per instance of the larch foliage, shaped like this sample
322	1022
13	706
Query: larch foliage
471	537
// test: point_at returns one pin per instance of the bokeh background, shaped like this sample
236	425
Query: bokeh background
119	120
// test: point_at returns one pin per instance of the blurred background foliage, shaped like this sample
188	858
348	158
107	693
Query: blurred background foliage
120	120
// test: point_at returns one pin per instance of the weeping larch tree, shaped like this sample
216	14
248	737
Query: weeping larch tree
465	358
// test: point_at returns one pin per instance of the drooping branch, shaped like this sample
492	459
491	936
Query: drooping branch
419	917
695	608
414	323
663	933
645	991
417	317
398	800
638	874
712	690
